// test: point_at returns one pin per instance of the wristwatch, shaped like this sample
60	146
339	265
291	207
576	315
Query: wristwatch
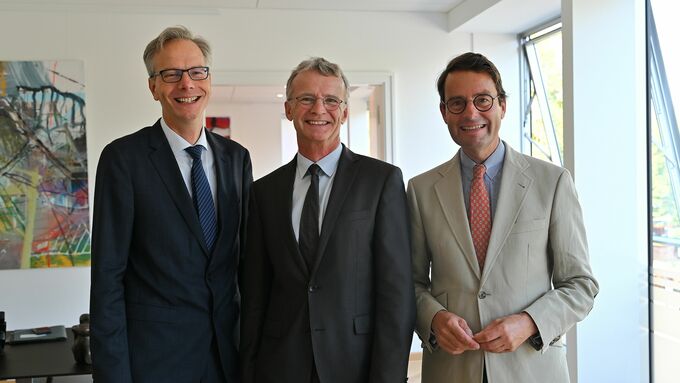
536	341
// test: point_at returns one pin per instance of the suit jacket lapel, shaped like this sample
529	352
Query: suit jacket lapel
344	177
513	191
225	186
449	191
164	162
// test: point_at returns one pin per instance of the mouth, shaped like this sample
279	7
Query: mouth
187	100
472	127
317	122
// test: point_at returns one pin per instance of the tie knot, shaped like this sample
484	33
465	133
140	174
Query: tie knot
194	151
478	171
313	169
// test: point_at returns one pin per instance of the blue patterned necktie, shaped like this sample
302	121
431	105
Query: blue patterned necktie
202	196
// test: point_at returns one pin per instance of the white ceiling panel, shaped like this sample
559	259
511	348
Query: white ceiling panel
141	3
144	5
513	16
507	16
362	5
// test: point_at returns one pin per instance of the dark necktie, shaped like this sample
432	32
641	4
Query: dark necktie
202	196
480	214
309	220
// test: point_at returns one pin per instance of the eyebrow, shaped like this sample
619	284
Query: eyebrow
488	93
313	95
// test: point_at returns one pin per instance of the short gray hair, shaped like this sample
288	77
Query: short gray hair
174	33
320	65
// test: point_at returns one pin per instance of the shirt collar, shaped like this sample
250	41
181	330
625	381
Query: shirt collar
177	143
493	164
328	164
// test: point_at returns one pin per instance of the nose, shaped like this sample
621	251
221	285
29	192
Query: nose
185	82
318	106
470	109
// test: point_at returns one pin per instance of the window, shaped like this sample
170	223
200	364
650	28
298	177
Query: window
664	149
541	96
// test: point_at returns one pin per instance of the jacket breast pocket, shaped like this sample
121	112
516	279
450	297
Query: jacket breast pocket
529	225
358	215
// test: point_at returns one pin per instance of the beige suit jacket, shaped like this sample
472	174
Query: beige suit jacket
537	262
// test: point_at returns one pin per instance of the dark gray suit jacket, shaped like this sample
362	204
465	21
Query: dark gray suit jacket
158	297
353	313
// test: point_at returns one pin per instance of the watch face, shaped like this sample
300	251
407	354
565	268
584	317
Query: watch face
536	342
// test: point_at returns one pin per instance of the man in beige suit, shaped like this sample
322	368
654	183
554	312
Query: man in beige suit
500	258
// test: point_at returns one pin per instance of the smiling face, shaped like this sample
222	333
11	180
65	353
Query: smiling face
317	128
183	102
474	131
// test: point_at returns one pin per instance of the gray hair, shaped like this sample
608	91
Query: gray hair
320	65
174	33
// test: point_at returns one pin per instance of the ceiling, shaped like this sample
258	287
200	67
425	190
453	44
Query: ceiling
340	5
481	16
478	16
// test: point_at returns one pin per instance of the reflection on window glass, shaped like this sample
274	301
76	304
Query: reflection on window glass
665	161
542	83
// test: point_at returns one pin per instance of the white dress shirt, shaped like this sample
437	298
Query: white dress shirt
328	165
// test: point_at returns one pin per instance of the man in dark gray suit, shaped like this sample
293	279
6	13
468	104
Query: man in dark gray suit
168	233
327	272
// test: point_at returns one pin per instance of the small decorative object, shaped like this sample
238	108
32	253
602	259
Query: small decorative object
3	329
81	341
219	125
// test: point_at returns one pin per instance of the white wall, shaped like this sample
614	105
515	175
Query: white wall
414	47
258	128
605	147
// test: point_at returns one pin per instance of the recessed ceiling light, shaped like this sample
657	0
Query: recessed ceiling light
279	95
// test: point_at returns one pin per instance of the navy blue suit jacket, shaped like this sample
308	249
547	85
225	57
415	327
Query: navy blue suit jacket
159	298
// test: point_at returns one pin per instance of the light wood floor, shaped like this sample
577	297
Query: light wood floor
413	372
414	363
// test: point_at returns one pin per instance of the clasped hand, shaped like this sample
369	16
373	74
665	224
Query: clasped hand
504	334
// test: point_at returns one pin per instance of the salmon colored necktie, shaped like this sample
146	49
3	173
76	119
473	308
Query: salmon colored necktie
480	214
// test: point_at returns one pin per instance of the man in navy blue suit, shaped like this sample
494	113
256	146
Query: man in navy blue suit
168	232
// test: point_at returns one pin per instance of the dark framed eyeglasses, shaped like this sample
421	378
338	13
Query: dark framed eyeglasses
329	102
196	73
482	102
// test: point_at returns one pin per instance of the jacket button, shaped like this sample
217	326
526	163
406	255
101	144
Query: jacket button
313	288
483	295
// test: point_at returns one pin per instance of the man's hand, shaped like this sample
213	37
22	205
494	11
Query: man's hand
453	334
506	334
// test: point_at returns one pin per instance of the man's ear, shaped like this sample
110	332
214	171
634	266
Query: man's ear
152	88
289	110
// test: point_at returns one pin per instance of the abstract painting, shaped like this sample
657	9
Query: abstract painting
44	206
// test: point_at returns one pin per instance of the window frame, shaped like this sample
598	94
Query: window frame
532	88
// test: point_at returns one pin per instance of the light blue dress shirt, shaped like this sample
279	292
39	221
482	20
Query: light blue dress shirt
329	166
492	178
184	160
